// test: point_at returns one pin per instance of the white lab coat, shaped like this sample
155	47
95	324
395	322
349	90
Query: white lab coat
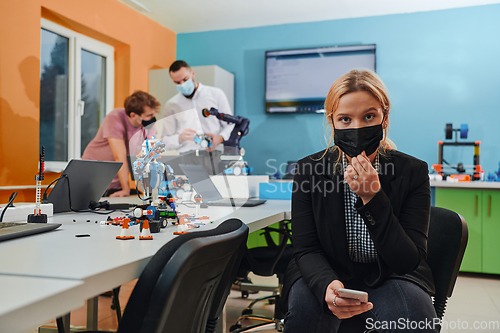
180	113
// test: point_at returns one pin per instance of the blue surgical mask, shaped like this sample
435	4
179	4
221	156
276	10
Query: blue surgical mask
186	88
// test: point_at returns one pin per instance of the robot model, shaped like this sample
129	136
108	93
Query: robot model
158	209
232	162
147	170
176	186
203	140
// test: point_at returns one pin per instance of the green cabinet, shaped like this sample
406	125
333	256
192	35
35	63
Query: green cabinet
468	204
481	211
491	232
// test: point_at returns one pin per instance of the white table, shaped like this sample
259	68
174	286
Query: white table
27	301
100	261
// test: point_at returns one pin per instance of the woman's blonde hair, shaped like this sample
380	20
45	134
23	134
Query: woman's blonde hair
358	80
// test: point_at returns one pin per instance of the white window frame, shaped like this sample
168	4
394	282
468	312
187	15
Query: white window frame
77	42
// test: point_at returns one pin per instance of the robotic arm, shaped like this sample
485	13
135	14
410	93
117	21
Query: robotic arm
232	145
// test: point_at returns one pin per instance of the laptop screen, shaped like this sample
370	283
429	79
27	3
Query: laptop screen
200	180
88	180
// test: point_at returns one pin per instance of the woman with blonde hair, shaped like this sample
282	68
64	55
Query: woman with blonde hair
360	218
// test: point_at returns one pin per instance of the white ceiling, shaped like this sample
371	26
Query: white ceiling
183	16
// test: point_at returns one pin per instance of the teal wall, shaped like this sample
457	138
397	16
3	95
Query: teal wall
439	67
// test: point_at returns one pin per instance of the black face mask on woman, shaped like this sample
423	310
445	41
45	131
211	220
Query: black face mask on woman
353	141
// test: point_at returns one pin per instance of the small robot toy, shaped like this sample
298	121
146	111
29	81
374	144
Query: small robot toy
203	140
158	206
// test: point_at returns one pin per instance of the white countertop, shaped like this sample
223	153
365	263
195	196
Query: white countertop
466	185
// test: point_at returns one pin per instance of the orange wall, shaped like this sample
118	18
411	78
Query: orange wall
140	45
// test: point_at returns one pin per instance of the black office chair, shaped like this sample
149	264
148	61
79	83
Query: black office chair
186	282
445	250
448	235
265	261
224	288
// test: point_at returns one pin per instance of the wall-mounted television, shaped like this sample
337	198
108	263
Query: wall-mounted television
299	80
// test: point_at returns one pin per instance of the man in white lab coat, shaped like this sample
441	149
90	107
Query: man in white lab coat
182	118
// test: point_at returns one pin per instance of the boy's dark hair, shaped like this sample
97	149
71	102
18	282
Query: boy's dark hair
178	64
136	102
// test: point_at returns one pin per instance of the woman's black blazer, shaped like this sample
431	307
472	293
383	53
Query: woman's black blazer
397	218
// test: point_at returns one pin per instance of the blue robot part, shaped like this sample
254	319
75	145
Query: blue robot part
236	171
464	130
149	153
173	185
156	173
153	210
237	168
203	140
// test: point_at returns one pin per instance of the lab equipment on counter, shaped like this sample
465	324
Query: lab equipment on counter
446	170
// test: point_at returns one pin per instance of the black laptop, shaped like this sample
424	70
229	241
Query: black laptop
86	181
200	180
10	230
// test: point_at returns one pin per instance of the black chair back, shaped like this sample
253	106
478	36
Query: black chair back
266	261
224	288
263	260
448	235
177	289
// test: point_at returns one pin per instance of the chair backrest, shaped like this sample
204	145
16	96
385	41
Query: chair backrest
263	260
177	288
222	292
446	244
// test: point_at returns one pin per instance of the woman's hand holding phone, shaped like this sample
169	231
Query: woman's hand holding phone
342	307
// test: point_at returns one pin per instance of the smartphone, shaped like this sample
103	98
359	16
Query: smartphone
362	296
